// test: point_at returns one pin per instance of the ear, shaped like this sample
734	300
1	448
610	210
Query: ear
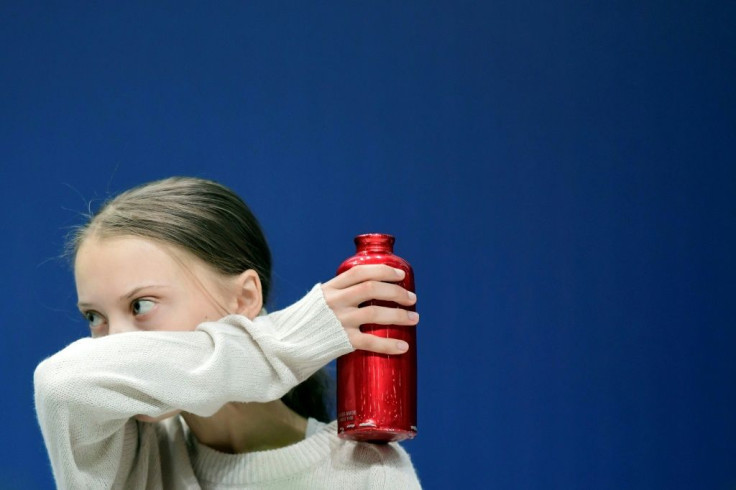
249	294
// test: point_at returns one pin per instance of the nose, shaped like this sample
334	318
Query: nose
120	325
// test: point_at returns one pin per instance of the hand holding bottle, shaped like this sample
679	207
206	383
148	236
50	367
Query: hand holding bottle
346	292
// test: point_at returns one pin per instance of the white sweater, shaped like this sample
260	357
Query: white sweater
87	394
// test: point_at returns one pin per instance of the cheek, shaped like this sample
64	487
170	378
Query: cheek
200	311
169	317
210	306
185	312
208	315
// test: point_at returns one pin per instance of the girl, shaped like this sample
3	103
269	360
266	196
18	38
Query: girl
186	381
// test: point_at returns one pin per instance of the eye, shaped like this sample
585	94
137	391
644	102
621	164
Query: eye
93	318
142	306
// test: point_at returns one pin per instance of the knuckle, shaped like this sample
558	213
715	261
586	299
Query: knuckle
350	274
364	288
402	315
375	344
351	319
367	314
354	338
376	312
362	341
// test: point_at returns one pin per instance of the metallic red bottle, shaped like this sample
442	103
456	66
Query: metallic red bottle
377	393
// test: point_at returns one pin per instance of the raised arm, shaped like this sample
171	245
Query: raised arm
87	393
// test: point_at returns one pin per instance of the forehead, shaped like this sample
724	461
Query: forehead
99	254
124	260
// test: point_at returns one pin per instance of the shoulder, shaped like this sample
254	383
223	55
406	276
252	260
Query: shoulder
383	465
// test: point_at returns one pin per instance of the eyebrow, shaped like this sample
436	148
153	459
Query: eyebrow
130	294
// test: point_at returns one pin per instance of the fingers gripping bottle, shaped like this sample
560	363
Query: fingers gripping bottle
377	393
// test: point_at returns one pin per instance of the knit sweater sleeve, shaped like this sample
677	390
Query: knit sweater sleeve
87	394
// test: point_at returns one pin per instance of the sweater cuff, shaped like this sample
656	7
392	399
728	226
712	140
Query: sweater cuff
311	325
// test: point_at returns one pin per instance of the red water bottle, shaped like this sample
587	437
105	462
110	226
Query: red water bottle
377	393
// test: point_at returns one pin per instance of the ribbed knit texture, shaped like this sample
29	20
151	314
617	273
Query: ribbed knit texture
87	394
319	461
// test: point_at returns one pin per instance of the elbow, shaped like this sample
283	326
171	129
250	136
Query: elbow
44	383
65	376
52	384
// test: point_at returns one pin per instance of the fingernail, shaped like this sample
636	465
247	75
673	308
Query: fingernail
402	346
412	296
413	316
399	272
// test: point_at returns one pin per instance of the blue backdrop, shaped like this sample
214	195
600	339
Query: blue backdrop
561	175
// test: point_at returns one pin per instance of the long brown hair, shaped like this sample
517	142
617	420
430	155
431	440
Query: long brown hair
214	224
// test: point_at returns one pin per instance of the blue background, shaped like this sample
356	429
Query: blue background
561	175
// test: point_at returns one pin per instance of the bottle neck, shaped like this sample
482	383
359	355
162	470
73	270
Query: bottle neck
375	242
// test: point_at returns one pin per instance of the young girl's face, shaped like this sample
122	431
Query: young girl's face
127	284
